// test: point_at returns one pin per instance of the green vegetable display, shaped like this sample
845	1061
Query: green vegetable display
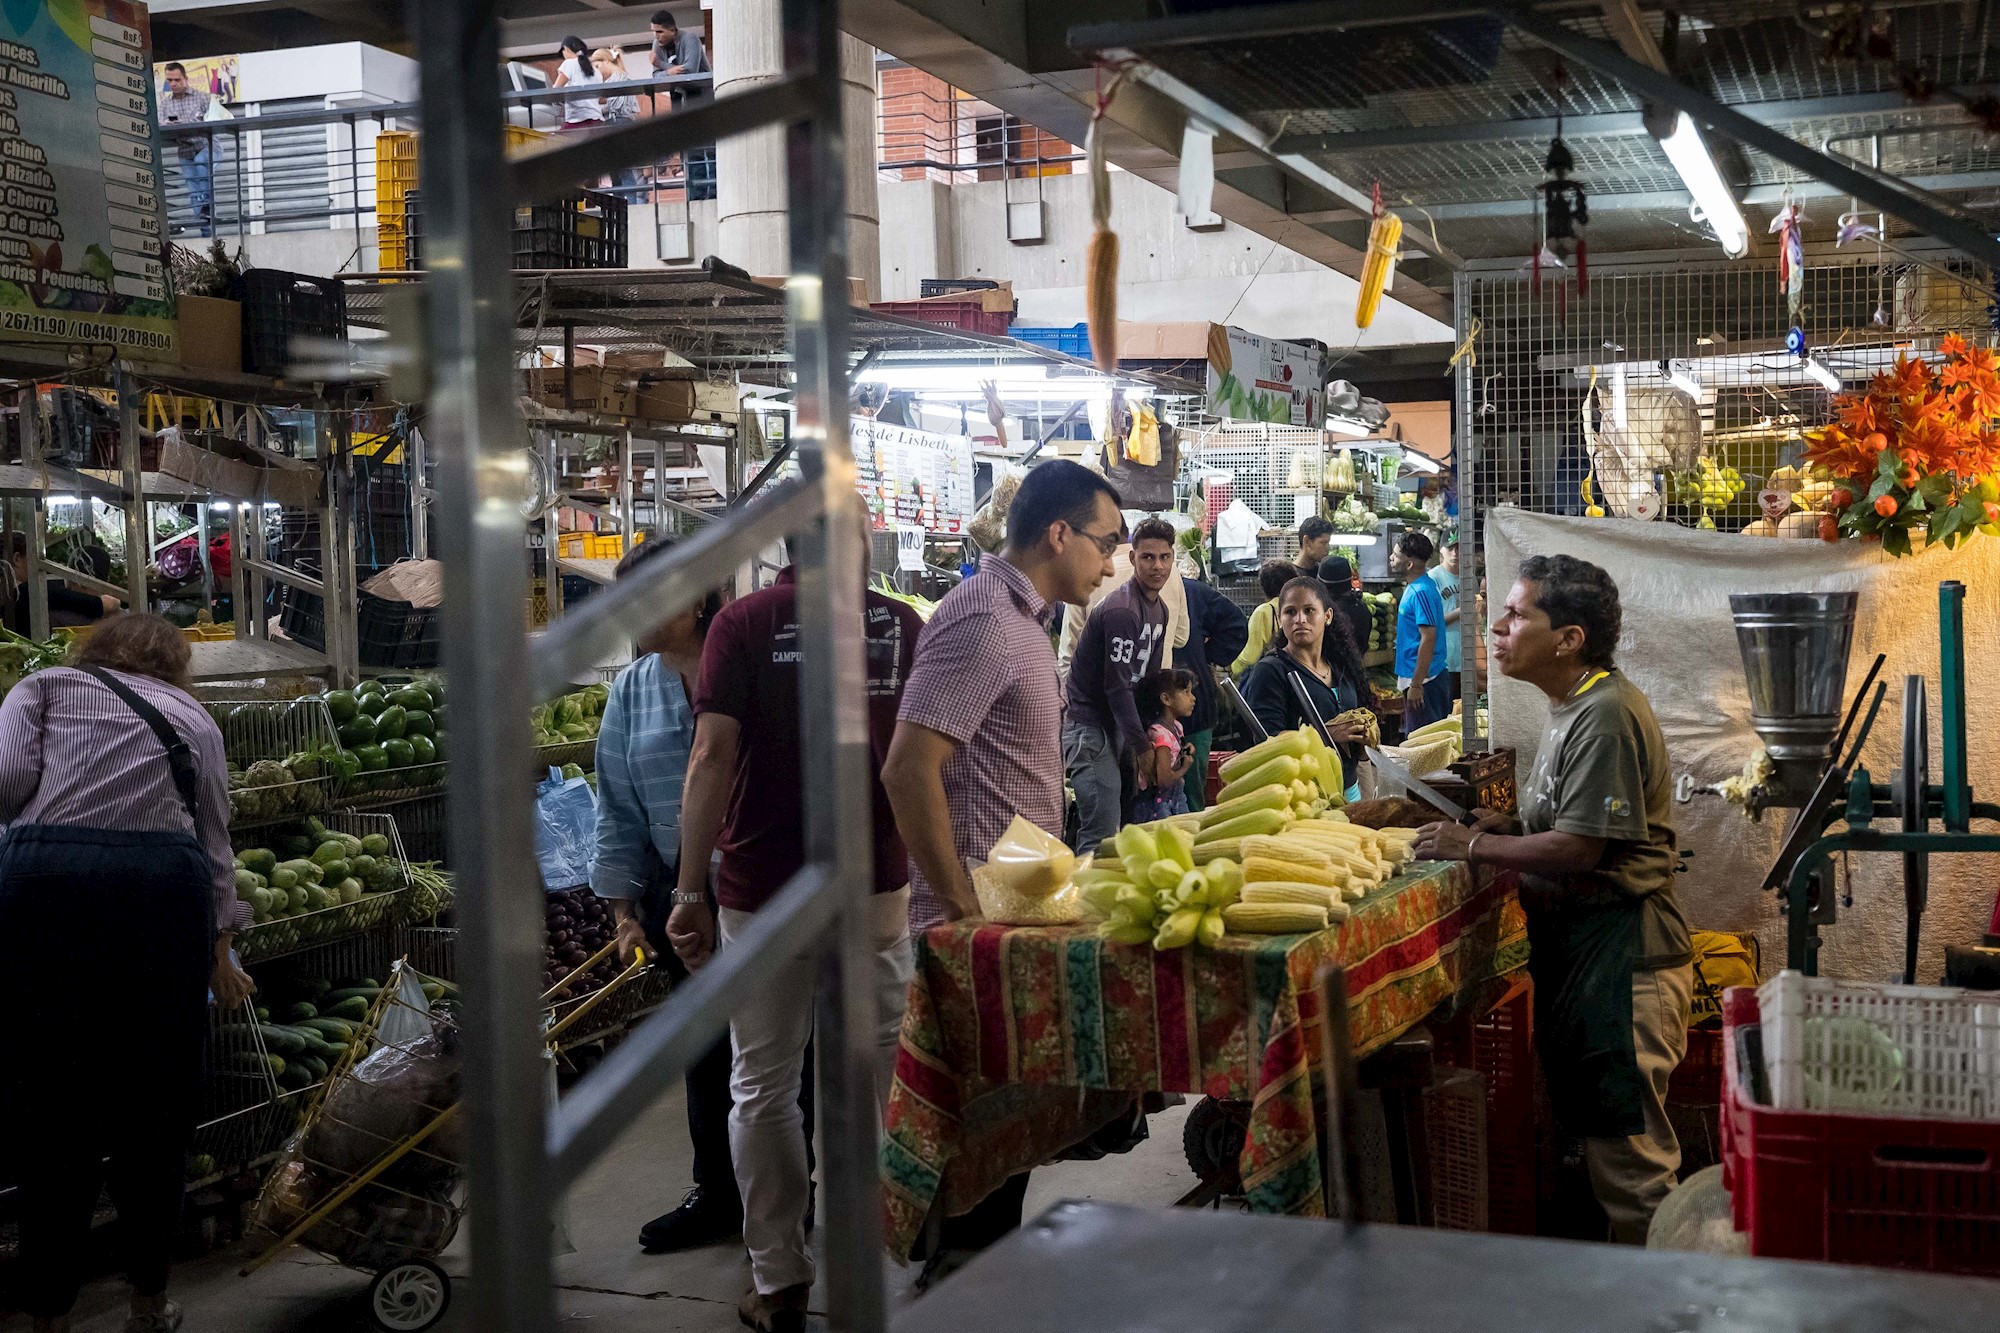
339	868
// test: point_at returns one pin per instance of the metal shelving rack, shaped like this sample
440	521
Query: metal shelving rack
521	1157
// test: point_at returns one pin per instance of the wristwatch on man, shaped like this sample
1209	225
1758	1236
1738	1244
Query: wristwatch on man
687	899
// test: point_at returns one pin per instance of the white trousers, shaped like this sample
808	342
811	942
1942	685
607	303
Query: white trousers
768	1035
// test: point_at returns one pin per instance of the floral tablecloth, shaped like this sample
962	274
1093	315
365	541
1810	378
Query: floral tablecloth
1019	1040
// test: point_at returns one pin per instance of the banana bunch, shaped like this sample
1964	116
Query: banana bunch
1153	892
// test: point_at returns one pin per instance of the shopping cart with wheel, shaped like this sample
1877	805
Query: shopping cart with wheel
372	1178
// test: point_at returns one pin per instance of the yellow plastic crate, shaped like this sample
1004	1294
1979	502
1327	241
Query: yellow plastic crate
573	545
609	546
397	172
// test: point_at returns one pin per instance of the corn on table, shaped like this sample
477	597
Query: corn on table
1021	1040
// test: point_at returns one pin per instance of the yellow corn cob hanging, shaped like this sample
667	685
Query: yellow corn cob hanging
1384	234
1101	272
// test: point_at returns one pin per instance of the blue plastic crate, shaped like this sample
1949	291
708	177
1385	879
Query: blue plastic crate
1071	341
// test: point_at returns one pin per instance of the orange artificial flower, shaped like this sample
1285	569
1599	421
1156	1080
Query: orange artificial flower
1952	346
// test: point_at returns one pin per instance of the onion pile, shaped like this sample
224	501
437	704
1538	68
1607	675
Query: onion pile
576	925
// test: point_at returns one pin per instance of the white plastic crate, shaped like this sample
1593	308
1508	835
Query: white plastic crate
1881	1050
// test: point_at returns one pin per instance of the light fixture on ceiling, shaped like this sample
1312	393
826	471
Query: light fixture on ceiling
1691	159
1821	375
1360	430
1418	462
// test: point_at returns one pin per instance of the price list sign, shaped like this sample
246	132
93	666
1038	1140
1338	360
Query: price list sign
913	478
82	194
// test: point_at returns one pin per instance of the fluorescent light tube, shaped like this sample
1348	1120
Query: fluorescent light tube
1697	170
1342	426
1824	377
1417	461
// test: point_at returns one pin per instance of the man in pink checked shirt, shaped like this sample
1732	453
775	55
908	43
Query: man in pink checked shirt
979	735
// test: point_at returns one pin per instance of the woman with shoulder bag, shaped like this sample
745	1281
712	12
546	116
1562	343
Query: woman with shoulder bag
117	906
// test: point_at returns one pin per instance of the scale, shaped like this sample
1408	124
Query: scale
1795	649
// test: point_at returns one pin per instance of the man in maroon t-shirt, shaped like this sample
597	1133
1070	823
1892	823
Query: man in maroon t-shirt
743	799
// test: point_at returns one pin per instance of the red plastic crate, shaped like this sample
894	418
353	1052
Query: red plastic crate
1212	788
1503	1050
1697	1079
1897	1193
966	316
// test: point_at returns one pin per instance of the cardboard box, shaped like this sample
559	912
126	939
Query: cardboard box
684	400
211	333
591	389
992	300
289	482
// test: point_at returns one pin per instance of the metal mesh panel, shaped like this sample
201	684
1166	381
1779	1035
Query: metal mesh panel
1668	391
1275	469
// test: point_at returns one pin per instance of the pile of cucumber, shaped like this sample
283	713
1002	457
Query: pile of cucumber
316	1032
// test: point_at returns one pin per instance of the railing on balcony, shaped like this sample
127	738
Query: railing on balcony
928	130
313	167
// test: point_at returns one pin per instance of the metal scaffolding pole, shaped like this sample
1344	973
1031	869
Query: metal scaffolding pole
517	1170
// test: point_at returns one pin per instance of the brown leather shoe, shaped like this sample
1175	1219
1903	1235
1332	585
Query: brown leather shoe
780	1312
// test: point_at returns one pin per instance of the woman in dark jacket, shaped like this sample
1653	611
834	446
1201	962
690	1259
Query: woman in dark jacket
1319	654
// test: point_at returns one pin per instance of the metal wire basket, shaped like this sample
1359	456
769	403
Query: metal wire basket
272	731
581	753
288	934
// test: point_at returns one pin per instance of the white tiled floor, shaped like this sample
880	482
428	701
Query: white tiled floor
607	1284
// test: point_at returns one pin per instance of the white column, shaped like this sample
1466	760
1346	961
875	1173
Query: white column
747	49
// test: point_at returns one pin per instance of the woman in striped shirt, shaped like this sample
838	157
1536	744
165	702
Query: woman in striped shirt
117	910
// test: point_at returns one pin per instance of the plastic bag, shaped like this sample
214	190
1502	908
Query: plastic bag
1031	861
1002	905
1142	443
565	831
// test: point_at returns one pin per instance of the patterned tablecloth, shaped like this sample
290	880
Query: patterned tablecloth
1019	1039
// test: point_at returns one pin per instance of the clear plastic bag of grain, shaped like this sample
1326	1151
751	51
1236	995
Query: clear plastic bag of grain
1027	879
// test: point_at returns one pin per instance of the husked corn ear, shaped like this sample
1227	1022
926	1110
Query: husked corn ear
1384	235
1272	919
1101	299
1266	869
1257	821
1285	848
1271	797
1313	895
1293	743
1218	849
1282	769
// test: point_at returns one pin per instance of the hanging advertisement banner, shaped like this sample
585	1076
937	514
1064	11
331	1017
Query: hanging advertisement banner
83	214
913	477
1254	378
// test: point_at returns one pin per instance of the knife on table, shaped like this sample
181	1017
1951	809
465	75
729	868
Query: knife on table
1452	810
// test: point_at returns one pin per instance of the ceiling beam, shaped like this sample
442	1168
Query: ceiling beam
1256	22
1647	82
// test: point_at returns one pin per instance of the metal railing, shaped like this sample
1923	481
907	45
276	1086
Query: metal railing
932	132
520	1156
317	168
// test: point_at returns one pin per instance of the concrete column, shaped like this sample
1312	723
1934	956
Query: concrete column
750	171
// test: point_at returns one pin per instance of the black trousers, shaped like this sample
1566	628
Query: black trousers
708	1103
110	935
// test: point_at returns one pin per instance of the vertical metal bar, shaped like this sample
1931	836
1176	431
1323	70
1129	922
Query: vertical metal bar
259	530
834	722
416	460
627	527
479	440
1471	572
201	552
38	513
337	539
1951	703
239	584
138	532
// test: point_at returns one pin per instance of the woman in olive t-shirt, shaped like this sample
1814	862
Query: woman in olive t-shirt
1594	852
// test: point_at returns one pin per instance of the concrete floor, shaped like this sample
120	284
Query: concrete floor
607	1284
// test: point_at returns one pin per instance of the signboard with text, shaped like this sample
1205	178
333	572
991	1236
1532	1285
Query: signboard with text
83	210
1254	378
913	477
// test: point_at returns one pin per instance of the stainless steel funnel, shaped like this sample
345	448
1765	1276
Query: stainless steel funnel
1795	647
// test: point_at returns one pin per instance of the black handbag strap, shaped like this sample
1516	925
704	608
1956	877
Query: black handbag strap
180	758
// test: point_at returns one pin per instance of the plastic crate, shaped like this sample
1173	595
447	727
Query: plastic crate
929	287
397	173
1878	1049
965	316
280	306
1864	1189
1697	1079
1455	1141
1503	1052
398	634
587	229
1071	341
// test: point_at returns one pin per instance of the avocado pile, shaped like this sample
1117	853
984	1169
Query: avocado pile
388	729
312	869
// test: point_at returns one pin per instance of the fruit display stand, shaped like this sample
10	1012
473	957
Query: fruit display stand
374	901
996	1075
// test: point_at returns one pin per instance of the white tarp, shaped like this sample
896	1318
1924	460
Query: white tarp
1679	646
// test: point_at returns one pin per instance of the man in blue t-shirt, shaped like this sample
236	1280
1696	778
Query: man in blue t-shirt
1420	657
1446	578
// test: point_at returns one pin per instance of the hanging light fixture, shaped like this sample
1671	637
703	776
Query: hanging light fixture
1717	207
